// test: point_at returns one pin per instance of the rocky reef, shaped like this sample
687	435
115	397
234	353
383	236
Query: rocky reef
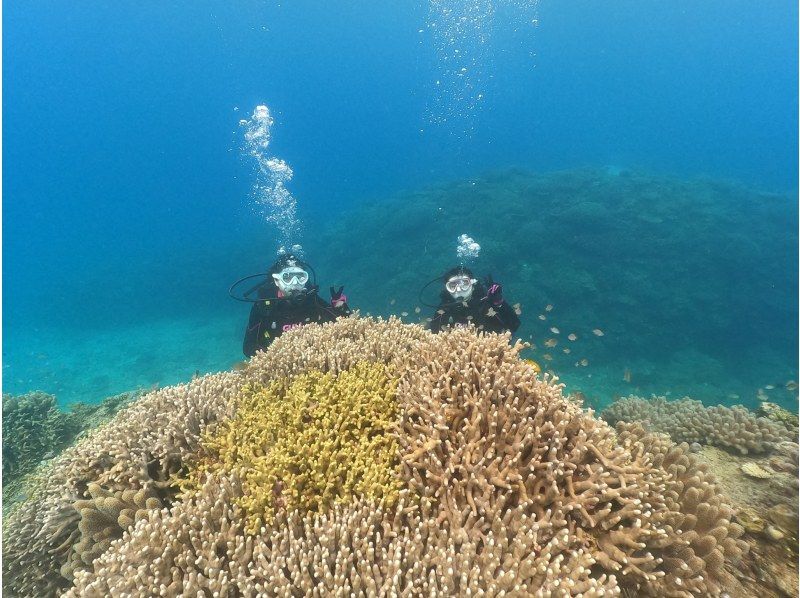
370	456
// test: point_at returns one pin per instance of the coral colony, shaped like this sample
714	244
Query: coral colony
373	457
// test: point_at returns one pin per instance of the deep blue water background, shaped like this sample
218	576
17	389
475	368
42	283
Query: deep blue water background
126	210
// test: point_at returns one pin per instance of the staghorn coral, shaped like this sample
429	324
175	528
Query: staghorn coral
334	347
141	448
324	438
686	420
499	483
361	548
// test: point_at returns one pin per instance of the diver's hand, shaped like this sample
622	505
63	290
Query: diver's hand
338	298
495	293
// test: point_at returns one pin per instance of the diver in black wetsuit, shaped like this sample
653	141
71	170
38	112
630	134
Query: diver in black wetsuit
289	303
466	301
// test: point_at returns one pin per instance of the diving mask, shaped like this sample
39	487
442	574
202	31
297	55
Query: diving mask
291	280
460	286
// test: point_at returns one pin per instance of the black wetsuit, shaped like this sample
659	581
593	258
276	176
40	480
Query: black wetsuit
478	311
272	316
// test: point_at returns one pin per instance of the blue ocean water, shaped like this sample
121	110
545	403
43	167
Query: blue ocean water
127	199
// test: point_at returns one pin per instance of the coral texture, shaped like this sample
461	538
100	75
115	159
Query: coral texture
686	420
34	429
468	473
323	438
139	450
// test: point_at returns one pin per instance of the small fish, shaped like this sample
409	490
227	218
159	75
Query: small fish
491	312
541	317
518	311
566	350
769	387
550	342
392	302
517	306
417	310
536	367
549	307
791	385
733	396
598	332
440	312
555	330
627	375
464	304
548	357
404	313
584	362
469	318
573	337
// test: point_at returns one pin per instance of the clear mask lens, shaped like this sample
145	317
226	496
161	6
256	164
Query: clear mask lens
294	276
459	283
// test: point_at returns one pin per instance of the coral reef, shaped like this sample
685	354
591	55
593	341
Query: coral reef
780	415
767	509
372	456
34	428
685	420
654	261
324	438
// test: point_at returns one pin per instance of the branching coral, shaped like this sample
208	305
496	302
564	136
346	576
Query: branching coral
33	428
381	459
323	439
686	420
141	448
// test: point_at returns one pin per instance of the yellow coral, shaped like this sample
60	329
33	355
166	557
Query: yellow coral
309	443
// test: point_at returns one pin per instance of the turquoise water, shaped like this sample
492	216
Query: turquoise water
632	165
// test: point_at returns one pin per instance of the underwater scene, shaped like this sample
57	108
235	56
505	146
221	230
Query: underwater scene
440	298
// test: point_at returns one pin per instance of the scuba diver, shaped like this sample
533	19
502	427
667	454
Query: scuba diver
288	303
465	301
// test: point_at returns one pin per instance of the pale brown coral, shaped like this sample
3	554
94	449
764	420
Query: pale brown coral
702	536
102	519
138	450
199	548
507	486
686	420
